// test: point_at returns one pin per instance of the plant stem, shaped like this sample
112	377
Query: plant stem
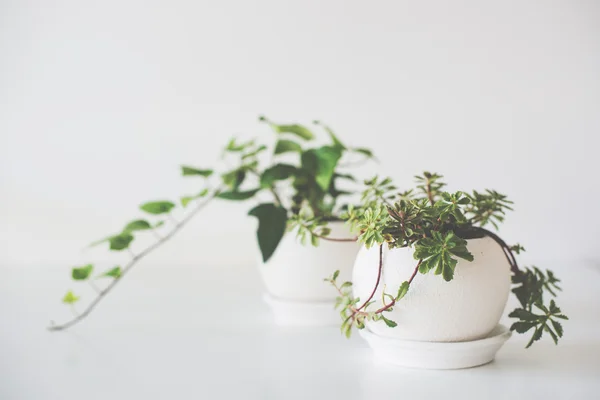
379	273
131	264
354	239
429	193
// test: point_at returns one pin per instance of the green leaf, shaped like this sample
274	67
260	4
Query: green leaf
235	195
159	224
402	290
523	315
82	273
137	225
557	327
70	298
235	178
276	173
157	207
366	152
389	322
272	222
113	273
190	171
336	274
336	141
185	200
321	164
522	327
536	336
120	241
437	253
286	146
298	130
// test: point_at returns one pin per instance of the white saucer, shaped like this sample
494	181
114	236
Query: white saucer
437	355
300	313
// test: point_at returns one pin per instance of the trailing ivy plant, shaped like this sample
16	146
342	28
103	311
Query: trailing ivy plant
437	225
302	182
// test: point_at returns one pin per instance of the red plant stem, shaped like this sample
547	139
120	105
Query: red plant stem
378	279
387	306
354	239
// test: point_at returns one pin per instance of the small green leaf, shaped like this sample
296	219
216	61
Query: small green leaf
298	130
536	336
272	222
82	273
336	274
523	315
557	327
159	224
137	225
346	285
120	241
402	290
113	273
276	173
366	152
286	146
157	207
389	322
186	199
522	327
235	195
190	171
70	298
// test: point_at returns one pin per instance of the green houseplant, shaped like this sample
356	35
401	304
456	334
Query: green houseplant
305	197
444	234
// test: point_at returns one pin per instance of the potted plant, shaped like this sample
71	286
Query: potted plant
431	283
303	184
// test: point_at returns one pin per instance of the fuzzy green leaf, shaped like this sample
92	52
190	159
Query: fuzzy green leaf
298	130
157	207
272	222
113	273
190	171
120	241
286	146
82	273
276	173
235	195
366	152
321	164
389	322
402	290
137	225
70	298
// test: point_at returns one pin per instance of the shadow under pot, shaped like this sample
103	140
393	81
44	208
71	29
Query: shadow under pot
294	277
459	319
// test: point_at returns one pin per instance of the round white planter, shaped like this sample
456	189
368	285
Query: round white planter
467	308
294	275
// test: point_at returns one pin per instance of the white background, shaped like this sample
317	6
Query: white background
100	102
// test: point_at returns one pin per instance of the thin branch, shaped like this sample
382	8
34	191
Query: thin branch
130	265
354	239
379	272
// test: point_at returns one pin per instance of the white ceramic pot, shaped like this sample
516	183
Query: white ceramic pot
467	308
294	275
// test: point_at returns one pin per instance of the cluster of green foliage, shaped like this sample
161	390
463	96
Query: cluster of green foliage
437	225
308	176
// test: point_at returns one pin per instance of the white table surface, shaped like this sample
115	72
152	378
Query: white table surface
175	332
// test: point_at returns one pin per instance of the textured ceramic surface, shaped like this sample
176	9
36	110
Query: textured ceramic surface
296	272
437	355
467	308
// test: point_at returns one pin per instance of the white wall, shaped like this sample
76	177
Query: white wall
101	101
